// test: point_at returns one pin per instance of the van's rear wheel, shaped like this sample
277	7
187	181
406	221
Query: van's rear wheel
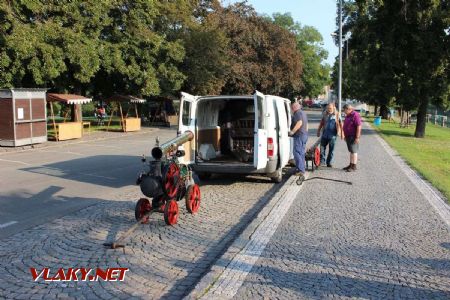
277	177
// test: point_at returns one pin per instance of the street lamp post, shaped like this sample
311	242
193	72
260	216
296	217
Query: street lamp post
340	59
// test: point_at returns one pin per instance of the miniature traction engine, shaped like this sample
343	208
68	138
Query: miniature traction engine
166	182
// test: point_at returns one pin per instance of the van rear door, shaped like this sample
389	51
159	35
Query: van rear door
283	137
186	121
260	134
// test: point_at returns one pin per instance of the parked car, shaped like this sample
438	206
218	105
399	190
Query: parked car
308	102
316	105
236	134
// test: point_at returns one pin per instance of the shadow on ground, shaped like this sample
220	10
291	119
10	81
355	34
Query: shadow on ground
113	171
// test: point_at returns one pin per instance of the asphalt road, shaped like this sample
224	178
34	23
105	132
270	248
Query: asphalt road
39	185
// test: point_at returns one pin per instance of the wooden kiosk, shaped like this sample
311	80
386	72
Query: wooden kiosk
165	113
23	117
127	123
74	128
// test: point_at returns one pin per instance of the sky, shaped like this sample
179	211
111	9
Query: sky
318	13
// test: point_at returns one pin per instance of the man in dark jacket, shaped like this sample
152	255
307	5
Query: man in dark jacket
299	131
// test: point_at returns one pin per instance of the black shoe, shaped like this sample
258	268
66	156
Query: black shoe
300	179
352	168
347	167
329	165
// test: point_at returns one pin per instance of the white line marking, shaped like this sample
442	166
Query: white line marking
107	146
15	161
427	190
237	270
61	152
7	224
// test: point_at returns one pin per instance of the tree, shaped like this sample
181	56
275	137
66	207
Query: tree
206	64
400	53
137	55
316	73
109	46
262	55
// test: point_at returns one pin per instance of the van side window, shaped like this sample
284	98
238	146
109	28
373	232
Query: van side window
277	116
288	115
185	118
260	113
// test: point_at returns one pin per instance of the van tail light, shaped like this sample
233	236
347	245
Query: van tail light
270	147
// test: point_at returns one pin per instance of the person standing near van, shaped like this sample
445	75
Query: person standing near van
331	124
352	132
299	131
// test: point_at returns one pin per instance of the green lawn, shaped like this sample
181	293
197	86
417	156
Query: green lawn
430	156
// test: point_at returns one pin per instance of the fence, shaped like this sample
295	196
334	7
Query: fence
443	121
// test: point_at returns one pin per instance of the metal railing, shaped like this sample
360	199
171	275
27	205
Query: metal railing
438	120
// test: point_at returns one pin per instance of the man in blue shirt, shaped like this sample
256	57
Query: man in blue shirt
299	131
331	124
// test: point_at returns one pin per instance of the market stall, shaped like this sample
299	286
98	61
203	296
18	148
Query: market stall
74	128
162	112
22	117
127	122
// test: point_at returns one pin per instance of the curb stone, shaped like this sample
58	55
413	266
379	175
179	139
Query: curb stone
210	278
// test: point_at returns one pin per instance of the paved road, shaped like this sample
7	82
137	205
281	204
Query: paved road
378	238
39	185
52	231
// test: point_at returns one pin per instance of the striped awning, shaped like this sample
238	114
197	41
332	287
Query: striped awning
68	98
125	98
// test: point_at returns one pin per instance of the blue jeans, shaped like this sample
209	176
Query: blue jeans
324	142
299	151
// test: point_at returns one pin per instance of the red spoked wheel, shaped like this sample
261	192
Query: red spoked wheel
170	179
171	212
143	207
317	156
193	198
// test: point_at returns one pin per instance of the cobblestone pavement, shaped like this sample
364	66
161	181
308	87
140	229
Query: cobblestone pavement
377	238
164	261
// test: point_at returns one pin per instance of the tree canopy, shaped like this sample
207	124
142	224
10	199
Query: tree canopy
149	47
399	54
316	73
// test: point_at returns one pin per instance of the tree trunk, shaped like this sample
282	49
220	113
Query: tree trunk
384	111
421	119
375	110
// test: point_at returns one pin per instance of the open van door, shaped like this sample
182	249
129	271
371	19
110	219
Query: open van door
260	142
186	121
284	117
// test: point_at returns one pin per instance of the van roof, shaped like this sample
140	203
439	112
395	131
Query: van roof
238	97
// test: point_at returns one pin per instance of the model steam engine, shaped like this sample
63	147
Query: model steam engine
167	181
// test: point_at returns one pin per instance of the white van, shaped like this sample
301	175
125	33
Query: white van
236	134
